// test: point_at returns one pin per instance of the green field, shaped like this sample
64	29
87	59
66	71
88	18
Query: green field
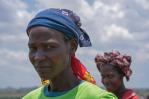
11	93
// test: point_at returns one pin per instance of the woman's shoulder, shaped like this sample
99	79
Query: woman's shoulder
130	94
93	90
34	93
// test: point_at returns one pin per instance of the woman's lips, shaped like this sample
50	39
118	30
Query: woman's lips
43	68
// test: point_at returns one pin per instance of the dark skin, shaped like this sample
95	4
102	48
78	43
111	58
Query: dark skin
112	79
50	54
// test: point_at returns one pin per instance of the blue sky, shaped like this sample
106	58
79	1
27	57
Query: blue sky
111	24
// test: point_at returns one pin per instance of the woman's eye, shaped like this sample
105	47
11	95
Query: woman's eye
50	47
102	76
32	48
110	76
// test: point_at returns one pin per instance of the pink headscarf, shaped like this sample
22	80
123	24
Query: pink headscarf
117	59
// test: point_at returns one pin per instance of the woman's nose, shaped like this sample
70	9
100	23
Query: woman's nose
105	80
39	55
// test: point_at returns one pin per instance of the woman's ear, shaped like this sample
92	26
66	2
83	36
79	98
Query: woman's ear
74	45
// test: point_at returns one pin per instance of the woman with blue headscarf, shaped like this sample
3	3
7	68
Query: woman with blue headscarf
54	35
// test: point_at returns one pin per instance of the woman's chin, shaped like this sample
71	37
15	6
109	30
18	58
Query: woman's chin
110	89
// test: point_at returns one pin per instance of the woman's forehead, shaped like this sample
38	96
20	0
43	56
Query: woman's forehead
107	67
44	31
42	34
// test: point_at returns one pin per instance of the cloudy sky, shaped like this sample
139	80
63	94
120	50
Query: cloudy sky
112	24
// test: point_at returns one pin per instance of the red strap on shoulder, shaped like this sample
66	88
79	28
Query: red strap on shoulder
130	94
80	71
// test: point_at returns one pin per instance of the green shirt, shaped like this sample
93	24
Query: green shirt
84	90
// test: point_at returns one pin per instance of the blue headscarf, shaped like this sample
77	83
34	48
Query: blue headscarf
64	21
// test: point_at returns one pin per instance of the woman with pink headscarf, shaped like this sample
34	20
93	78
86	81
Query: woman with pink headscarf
113	67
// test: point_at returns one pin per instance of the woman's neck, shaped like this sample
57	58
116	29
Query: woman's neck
120	91
64	81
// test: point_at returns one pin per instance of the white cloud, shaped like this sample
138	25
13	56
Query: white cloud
147	46
13	9
23	17
116	32
113	10
9	55
14	16
58	4
143	3
9	38
90	52
142	54
86	11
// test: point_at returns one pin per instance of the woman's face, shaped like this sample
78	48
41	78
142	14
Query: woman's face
111	78
48	51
